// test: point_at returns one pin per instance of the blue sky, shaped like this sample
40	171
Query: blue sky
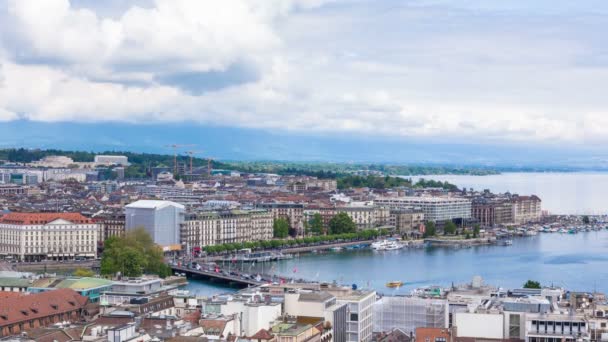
464	74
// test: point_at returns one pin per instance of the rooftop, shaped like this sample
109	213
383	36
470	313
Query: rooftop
42	218
153	204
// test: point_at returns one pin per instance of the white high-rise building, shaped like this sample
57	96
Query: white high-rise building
161	219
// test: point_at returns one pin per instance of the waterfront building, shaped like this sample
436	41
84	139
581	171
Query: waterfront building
409	313
229	226
111	160
161	219
38	236
526	209
292	212
366	217
21	313
491	212
434	208
407	221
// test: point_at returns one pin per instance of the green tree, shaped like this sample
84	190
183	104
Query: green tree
83	272
316	224
476	230
586	219
531	284
429	229
280	228
342	223
132	255
449	228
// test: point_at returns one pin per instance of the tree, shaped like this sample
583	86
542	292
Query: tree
342	223
586	219
280	228
429	229
132	255
83	272
531	284
316	224
449	228
476	230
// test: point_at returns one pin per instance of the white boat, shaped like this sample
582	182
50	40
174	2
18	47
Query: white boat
507	243
386	245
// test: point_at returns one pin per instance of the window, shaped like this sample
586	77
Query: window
354	317
440	339
514	326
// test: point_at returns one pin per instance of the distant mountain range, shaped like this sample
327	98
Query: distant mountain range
226	143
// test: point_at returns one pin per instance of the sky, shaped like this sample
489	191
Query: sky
473	73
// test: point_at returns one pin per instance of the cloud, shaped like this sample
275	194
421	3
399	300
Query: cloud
440	69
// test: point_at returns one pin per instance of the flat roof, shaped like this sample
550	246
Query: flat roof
153	204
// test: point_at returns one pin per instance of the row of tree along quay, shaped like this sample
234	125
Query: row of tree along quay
363	236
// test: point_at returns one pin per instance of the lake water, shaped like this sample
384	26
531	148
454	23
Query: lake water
577	262
561	193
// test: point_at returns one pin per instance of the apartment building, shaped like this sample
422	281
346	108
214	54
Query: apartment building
218	227
434	208
292	212
526	209
366	217
39	236
406	221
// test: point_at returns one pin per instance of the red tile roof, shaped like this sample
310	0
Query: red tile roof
43	218
263	334
33	306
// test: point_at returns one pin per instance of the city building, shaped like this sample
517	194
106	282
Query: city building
366	217
39	236
526	209
161	219
434	208
360	314
292	212
407	221
409	313
111	160
218	227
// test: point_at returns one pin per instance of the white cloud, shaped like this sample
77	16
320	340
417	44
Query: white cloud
359	67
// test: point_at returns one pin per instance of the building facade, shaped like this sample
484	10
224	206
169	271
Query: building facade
292	212
526	209
161	219
434	208
219	227
40	236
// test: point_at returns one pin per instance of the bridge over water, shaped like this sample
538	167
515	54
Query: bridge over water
234	278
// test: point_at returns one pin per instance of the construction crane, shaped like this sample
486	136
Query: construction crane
175	147
191	154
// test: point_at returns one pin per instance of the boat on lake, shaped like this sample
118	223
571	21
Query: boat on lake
394	284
